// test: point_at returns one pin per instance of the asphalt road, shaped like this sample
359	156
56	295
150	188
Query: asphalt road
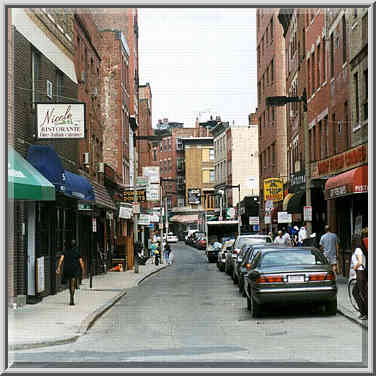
191	312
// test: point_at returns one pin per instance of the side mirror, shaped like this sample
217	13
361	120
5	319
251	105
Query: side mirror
253	275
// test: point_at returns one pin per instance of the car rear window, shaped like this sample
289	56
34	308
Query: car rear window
291	257
253	240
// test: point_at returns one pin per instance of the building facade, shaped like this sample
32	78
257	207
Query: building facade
271	81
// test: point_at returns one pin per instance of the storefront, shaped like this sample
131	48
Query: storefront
347	196
27	189
51	226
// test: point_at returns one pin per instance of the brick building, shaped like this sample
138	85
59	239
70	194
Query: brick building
271	81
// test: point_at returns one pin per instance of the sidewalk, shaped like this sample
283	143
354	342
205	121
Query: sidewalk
53	321
343	303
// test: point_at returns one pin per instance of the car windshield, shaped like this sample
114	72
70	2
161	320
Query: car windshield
252	240
291	257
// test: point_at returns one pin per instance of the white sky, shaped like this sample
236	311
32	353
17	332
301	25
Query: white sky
198	60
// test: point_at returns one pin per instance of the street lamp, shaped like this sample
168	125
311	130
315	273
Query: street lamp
281	101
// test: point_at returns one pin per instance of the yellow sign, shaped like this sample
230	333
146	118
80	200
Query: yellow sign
273	189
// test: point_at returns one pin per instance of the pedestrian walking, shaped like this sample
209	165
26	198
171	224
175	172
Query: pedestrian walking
286	237
279	238
358	266
72	267
302	235
329	245
153	248
166	252
171	258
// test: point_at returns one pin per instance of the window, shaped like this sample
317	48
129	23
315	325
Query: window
332	56
211	154
272	70
271	30
165	145
303	49
313	72
325	136
35	60
212	176
59	86
273	154
205	155
169	144
259	92
160	146
365	99
165	166
318	67
356	88
334	131
347	126
323	67
154	154
344	40
169	165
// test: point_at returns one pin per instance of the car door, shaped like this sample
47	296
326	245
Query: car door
253	260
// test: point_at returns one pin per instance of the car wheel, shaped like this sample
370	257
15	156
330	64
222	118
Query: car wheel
255	308
331	307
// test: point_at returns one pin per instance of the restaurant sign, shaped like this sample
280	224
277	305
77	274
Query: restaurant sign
60	121
273	189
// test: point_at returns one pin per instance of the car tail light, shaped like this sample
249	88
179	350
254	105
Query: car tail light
271	278
322	276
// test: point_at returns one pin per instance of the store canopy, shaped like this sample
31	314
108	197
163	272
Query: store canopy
286	201
25	182
102	198
296	203
47	162
184	218
353	181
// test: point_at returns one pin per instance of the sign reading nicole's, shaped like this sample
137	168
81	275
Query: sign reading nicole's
60	120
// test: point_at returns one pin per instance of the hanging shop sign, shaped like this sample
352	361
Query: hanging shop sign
273	189
128	196
194	196
307	213
254	220
125	213
144	220
60	121
284	217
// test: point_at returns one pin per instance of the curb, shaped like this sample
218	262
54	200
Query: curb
85	325
360	323
150	274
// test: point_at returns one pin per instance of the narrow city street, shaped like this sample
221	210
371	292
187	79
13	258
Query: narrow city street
191	312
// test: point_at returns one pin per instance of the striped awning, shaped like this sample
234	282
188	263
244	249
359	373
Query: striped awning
189	218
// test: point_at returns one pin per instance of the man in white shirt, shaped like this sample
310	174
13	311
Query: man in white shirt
286	237
279	239
302	235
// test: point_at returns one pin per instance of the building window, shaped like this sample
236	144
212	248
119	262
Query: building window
313	72
211	154
344	40
165	166
212	176
325	138
273	154
169	165
59	86
334	131
347	125
356	88
35	60
309	77
271	30
154	154
169	144
323	67
365	99
318	66
272	70
332	56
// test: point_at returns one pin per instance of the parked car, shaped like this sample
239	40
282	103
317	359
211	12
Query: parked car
221	259
194	238
239	242
171	238
201	243
244	262
286	275
188	234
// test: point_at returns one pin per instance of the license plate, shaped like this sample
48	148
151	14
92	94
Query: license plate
295	278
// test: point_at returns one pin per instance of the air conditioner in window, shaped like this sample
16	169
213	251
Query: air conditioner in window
86	158
101	167
94	92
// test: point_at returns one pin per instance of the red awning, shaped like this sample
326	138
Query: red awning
353	181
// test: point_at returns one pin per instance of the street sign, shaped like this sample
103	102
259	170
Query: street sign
284	217
307	213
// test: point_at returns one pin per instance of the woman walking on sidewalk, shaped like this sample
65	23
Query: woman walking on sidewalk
72	267
358	265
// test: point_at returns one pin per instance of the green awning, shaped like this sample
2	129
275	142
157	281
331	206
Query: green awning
25	182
